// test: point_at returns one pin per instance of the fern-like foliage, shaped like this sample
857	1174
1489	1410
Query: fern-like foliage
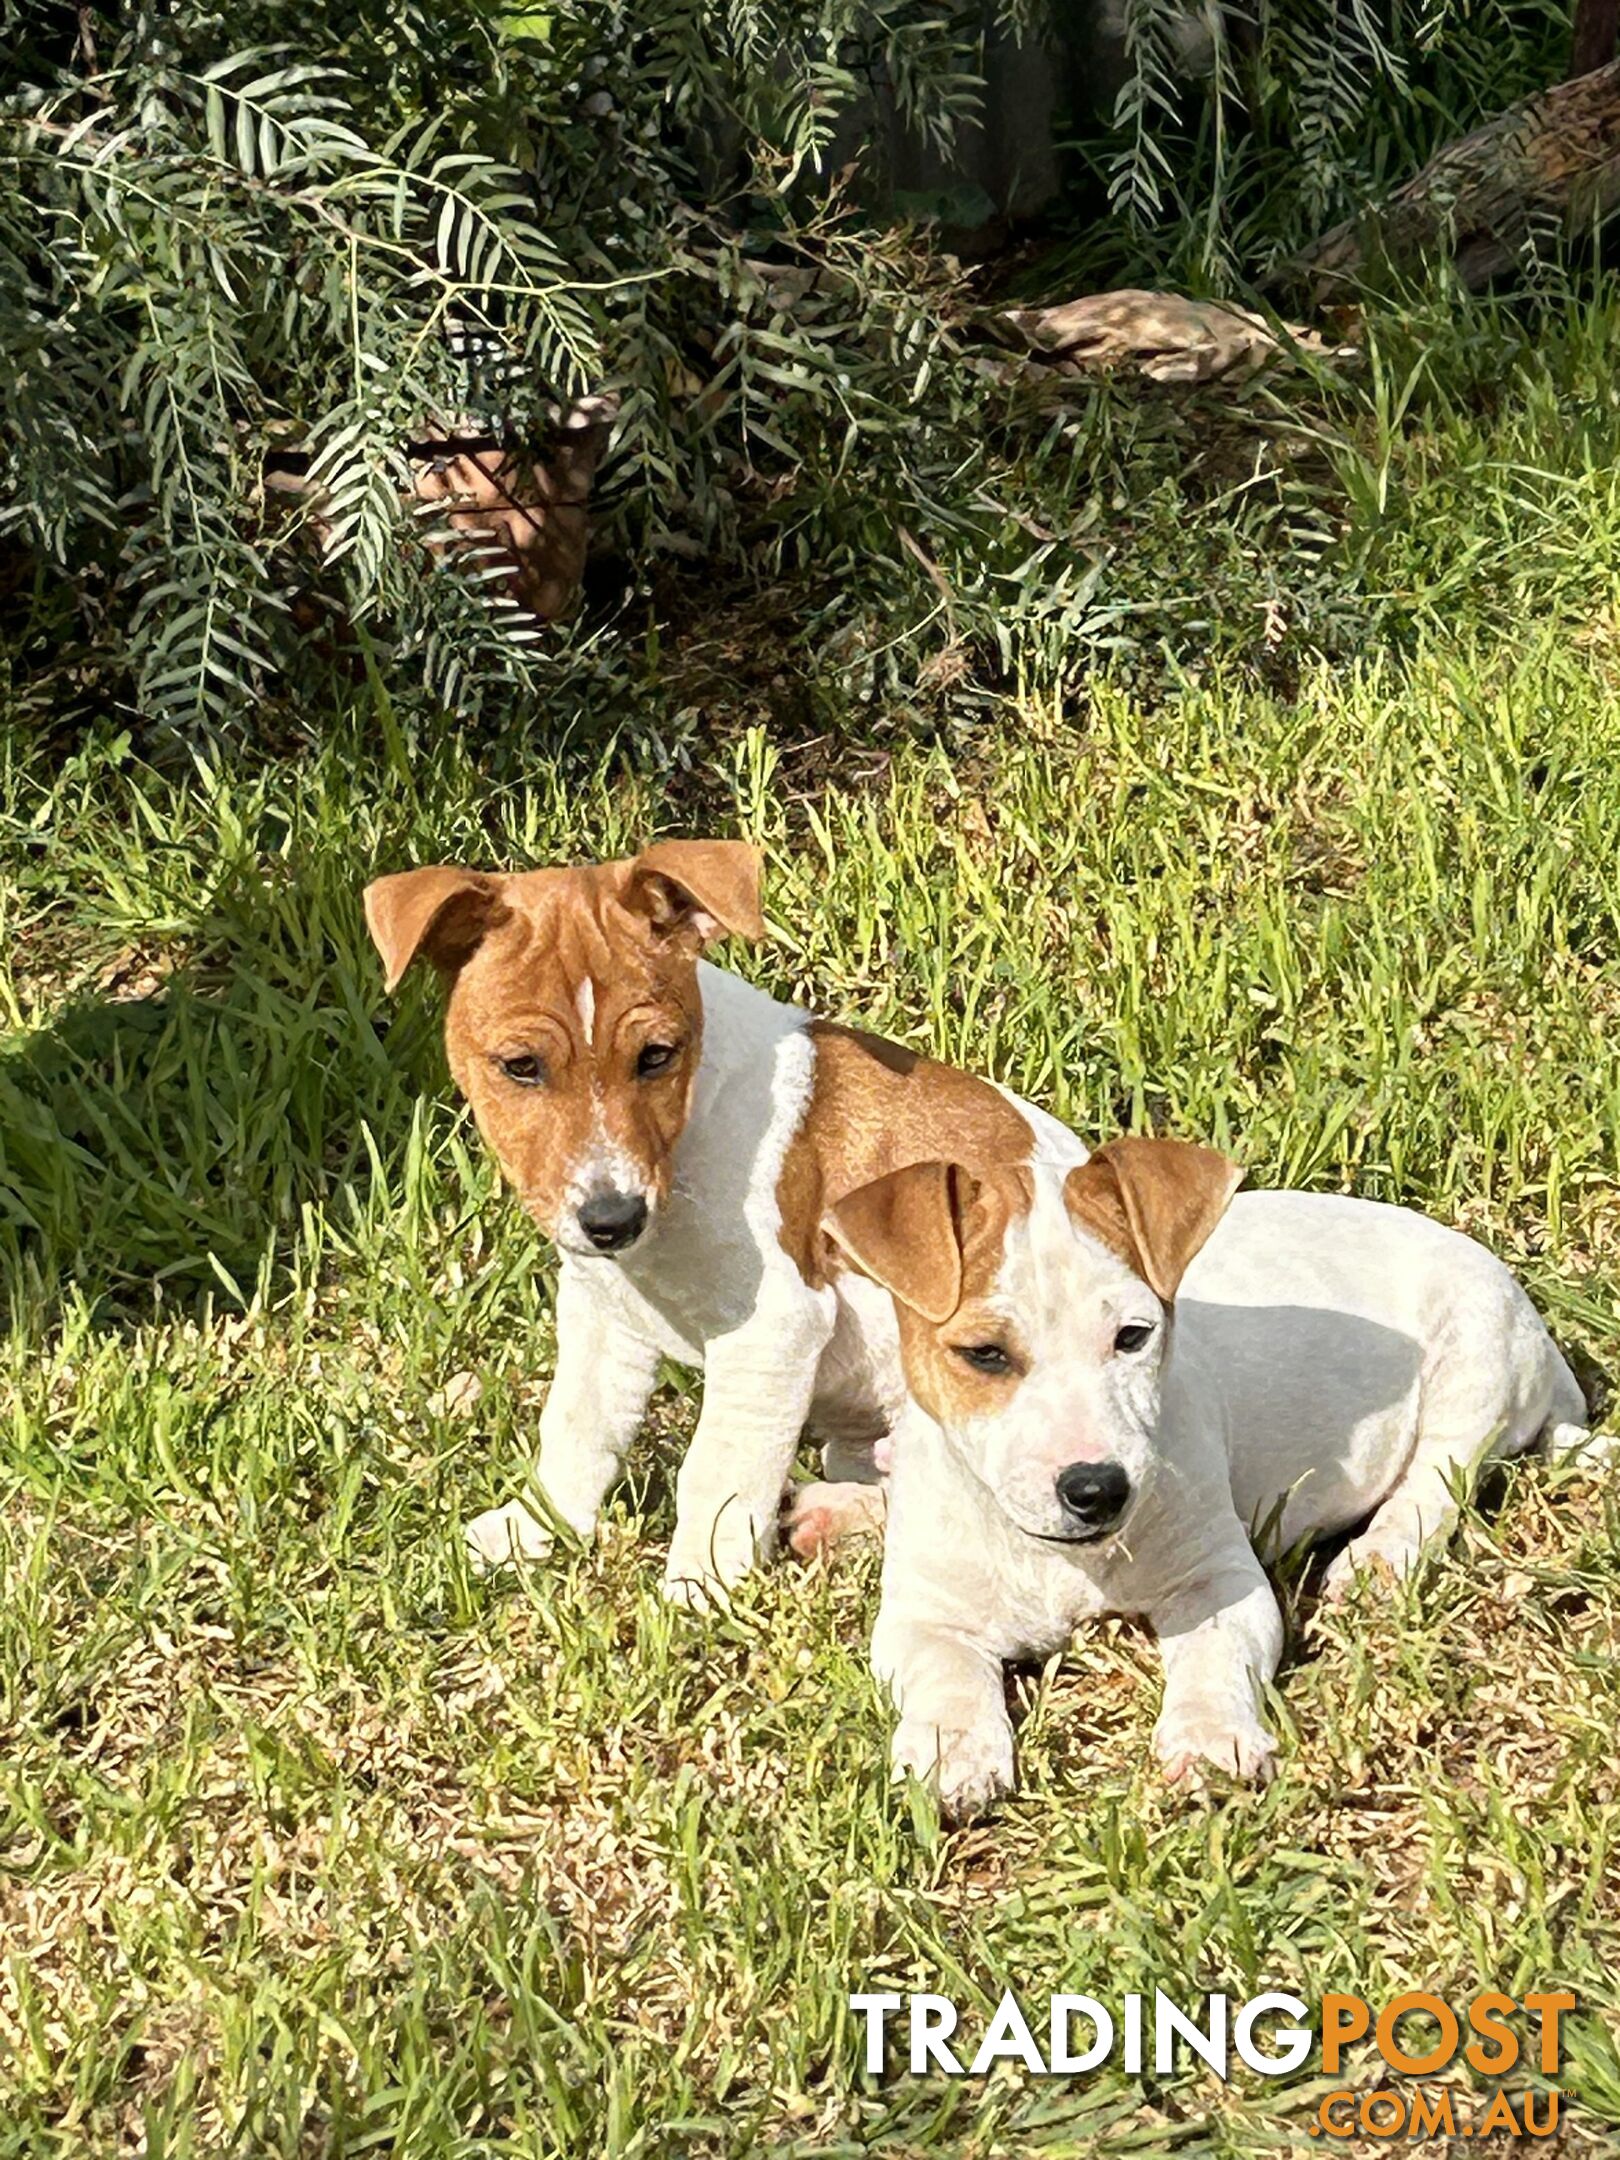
227	235
1240	131
224	235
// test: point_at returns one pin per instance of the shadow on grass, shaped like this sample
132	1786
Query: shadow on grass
162	1147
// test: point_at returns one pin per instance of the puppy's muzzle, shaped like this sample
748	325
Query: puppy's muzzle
611	1220
1093	1496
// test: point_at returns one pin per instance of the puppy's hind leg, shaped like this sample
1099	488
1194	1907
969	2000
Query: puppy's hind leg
1421	1506
1489	1401
849	1500
1589	1451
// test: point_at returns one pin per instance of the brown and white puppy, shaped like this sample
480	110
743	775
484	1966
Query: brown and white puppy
1119	1382
681	1136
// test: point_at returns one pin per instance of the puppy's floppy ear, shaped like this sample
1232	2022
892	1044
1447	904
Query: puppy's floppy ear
440	911
902	1231
1154	1202
707	886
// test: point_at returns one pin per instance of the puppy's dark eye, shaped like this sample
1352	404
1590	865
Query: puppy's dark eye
1135	1337
654	1057
984	1357
527	1070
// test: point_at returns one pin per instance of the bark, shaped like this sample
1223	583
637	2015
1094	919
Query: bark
1597	29
1554	157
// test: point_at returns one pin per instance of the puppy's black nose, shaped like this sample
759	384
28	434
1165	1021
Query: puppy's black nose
612	1220
1093	1493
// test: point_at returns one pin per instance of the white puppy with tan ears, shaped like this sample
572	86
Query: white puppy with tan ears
1117	1373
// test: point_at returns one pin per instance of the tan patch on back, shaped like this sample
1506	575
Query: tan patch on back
874	1108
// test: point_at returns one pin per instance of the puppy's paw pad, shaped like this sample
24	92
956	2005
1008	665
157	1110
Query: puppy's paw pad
503	1535
970	1770
811	1531
821	1516
1192	1746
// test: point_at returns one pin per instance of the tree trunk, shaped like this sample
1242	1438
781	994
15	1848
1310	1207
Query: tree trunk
1597	30
1555	157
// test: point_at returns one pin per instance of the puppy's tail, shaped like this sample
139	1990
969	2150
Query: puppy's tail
1570	1443
1566	1436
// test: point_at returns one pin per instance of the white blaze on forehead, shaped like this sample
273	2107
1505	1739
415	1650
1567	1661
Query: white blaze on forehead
586	1002
1054	1280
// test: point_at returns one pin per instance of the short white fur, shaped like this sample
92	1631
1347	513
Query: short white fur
710	1285
1327	1359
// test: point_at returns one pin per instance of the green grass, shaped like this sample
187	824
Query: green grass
312	1844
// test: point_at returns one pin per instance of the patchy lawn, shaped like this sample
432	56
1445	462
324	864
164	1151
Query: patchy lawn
311	1844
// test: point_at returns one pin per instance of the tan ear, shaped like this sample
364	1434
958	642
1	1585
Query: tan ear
710	886
441	911
901	1230
1154	1202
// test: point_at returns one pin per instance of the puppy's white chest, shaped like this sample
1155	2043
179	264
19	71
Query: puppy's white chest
685	1291
1054	1592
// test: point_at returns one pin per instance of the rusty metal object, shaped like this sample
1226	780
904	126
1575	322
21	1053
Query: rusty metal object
514	510
531	510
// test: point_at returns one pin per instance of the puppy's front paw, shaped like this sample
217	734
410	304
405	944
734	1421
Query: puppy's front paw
970	1769
702	1569
694	1588
821	1516
1362	1561
502	1535
1191	1742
